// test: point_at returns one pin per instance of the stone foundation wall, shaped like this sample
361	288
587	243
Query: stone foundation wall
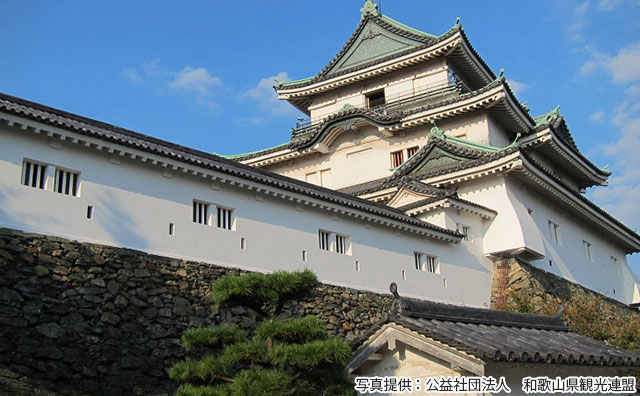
519	286
86	319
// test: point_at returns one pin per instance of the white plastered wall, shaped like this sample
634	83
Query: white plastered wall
515	227
364	155
134	202
404	82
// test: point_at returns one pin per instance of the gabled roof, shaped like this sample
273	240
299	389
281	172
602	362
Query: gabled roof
441	155
556	123
444	153
304	138
498	336
378	39
174	152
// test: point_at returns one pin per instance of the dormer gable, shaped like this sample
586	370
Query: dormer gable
444	153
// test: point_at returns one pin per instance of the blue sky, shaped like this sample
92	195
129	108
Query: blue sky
199	73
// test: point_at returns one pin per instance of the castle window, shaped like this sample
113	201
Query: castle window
616	266
172	229
323	240
554	232
426	263
341	244
466	231
225	218
397	158
90	212
34	174
375	99
201	212
66	182
588	253
411	151
333	242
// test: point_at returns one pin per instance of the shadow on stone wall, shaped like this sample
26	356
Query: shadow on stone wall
79	318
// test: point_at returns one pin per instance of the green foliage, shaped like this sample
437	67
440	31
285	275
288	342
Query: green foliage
250	352
261	382
215	337
594	318
293	357
191	390
300	330
206	369
255	288
311	354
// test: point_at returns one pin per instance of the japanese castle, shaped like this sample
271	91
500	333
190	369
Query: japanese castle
417	165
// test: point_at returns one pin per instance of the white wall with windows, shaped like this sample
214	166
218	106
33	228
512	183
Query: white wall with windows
126	202
571	247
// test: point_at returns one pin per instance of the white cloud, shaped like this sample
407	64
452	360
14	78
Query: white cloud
517	87
622	196
194	80
608	5
196	84
597	117
266	99
623	67
579	20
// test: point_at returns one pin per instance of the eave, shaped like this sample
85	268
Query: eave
445	46
28	117
391	333
547	142
527	171
449	202
497	99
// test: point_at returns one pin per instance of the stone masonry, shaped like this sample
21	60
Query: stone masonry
86	319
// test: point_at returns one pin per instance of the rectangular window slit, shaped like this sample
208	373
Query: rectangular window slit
224	218
34	175
587	251
323	240
67	182
426	263
200	212
404	275
304	255
89	212
172	229
554	232
243	243
357	266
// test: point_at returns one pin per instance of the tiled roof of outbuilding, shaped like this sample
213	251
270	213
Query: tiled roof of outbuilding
499	336
110	133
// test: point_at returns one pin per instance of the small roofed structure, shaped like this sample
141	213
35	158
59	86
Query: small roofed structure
422	339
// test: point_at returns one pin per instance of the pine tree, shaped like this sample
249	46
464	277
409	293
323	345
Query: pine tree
277	357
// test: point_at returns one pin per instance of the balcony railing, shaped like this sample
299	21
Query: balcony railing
401	101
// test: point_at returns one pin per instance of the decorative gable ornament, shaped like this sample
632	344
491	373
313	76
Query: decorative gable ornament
370	8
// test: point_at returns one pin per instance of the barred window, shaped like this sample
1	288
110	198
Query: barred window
411	151
426	263
225	220
465	231
34	174
67	182
200	212
323	240
397	159
341	244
